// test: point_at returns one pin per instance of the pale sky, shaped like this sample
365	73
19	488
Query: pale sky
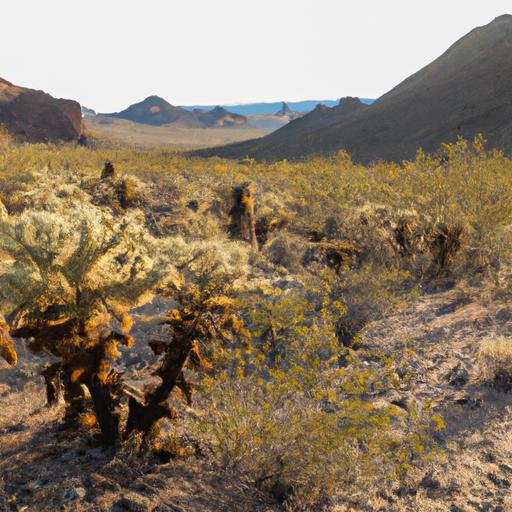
108	54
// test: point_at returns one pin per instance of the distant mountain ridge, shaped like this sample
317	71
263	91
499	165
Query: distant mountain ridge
249	109
466	91
219	117
156	111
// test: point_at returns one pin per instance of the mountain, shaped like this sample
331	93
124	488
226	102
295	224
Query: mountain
254	109
302	126
466	91
219	117
35	116
321	116
156	111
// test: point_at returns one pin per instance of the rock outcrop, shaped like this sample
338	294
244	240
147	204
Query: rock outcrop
284	110
35	116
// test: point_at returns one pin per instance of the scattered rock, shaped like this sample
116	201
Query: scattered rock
132	504
430	482
505	468
502	483
73	493
458	376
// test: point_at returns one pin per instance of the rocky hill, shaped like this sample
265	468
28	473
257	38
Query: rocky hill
466	91
156	111
219	117
321	116
35	116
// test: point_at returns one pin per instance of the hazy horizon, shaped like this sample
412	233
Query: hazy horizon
110	55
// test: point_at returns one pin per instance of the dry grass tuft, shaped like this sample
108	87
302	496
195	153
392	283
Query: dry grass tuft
495	359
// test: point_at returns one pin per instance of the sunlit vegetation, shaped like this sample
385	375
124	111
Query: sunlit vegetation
270	293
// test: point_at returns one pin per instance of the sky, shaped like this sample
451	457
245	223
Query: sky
108	54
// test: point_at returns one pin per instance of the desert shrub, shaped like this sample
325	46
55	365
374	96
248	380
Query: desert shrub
495	361
286	414
72	274
368	293
285	250
470	188
289	400
129	192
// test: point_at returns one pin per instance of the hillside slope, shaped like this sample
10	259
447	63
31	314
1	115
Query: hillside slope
466	91
35	116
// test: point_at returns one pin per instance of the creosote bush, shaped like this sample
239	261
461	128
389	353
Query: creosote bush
286	413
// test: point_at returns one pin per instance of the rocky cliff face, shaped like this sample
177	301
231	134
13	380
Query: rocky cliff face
35	116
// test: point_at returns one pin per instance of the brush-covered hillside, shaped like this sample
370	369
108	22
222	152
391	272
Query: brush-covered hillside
207	335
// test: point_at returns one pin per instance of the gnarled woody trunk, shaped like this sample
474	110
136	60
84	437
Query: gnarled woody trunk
91	368
142	416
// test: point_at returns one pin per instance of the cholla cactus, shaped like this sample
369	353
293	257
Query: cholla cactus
71	272
68	279
7	350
